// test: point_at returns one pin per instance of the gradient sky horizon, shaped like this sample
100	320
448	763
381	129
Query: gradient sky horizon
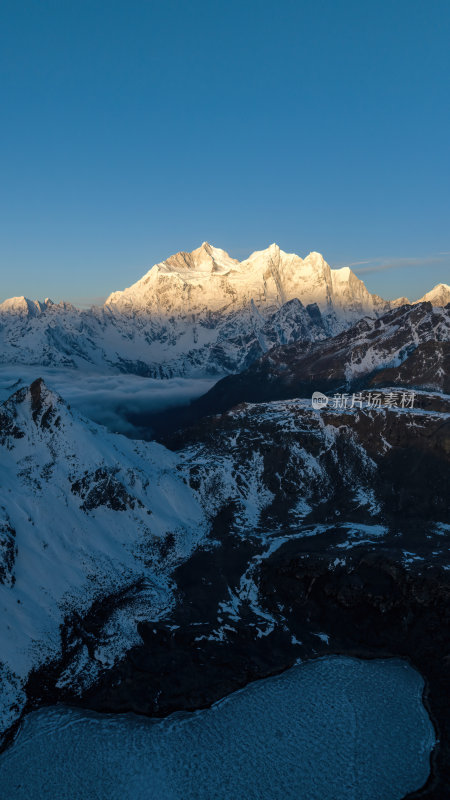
131	130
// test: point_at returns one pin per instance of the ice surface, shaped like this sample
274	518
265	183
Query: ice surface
333	729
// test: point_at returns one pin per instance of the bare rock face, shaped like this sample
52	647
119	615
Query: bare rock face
8	552
428	367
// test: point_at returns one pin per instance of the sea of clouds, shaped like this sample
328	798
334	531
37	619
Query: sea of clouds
111	400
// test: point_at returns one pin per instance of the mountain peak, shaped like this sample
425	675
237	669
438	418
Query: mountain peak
23	306
209	280
400	301
196	313
41	396
211	252
37	402
315	254
17	305
439	295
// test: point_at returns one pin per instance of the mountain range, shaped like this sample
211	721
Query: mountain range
252	531
408	347
199	313
139	578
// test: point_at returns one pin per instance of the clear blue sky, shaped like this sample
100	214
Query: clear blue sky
131	129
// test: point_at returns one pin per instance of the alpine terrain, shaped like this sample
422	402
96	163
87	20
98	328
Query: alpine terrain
199	313
251	528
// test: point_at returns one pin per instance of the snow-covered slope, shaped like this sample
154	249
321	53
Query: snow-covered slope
84	514
107	340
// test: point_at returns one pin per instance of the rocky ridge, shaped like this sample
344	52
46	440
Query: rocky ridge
408	347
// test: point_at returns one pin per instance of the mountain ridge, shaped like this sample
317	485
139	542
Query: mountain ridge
218	259
83	513
409	347
195	314
269	277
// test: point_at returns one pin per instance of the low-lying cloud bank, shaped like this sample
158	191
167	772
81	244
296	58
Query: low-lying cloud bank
110	400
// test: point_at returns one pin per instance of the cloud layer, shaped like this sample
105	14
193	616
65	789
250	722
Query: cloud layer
110	400
383	264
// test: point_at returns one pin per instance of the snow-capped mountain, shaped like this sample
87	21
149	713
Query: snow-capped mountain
139	578
58	335
84	514
438	296
208	280
199	313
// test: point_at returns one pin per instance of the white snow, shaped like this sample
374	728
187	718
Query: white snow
323	637
196	314
193	314
208	278
439	295
67	555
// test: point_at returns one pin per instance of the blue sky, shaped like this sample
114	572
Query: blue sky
131	130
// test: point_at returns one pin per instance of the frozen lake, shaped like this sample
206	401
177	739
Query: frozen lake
333	729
